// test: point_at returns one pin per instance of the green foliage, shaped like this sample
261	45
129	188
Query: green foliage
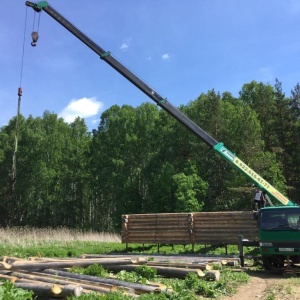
200	286
9	292
190	189
95	270
180	291
109	296
92	270
191	281
231	280
129	276
146	272
153	296
226	286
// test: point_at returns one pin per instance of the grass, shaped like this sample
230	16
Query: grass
62	242
24	242
28	236
284	290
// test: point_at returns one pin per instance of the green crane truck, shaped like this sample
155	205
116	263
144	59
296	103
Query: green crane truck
279	235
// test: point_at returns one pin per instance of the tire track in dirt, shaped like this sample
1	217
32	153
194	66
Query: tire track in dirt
253	290
266	285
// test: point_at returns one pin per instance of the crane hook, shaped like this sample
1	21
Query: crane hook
35	37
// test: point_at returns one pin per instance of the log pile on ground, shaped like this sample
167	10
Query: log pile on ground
50	277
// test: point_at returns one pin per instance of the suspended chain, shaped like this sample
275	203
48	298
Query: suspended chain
14	165
13	173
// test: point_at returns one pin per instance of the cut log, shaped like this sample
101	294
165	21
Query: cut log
201	266
137	287
232	263
50	290
8	277
134	258
41	265
4	265
212	275
10	259
169	272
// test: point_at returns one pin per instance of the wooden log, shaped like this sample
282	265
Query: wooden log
201	266
40	265
134	259
233	263
86	257
4	265
212	275
10	259
137	287
169	272
50	290
8	277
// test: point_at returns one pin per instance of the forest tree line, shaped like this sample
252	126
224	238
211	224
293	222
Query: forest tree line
141	160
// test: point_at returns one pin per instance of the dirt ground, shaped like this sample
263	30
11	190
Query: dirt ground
268	286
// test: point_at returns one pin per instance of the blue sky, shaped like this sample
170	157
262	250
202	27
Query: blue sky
180	48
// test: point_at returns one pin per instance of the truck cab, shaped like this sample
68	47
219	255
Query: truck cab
279	235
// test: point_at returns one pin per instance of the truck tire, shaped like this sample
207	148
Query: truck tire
267	262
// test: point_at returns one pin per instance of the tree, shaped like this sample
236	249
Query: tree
190	190
8	199
122	150
294	179
51	173
261	98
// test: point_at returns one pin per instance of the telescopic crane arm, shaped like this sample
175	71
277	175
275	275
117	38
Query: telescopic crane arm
164	104
107	57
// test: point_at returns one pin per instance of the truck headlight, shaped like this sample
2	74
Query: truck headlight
265	244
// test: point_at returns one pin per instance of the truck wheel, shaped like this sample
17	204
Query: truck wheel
267	262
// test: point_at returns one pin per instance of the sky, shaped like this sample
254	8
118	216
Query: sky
179	48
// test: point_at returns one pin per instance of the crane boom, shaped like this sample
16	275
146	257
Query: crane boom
165	104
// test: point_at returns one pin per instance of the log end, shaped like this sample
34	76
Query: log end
213	275
200	273
4	265
56	290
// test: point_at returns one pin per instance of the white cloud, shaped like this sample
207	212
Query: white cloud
124	46
83	108
166	56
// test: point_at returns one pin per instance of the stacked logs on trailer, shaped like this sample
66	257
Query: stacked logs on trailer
50	278
201	228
